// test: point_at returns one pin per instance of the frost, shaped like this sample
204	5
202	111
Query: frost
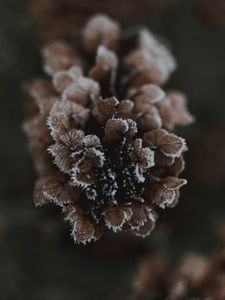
105	109
153	61
167	143
58	56
73	139
115	218
92	141
118	129
106	63
91	193
150	42
61	155
167	199
139	217
144	158
139	174
165	192
173	146
82	91
83	230
66	115
145	230
86	161
100	30
62	79
147	95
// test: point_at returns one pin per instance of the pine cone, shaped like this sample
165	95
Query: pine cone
106	155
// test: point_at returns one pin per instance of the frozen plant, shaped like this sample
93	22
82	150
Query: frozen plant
100	130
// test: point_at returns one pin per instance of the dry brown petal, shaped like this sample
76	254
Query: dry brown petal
106	62
62	151
57	190
58	56
144	157
43	93
118	129
173	183
151	61
62	157
83	170
163	197
141	214
167	143
92	141
100	30
82	91
83	173
164	192
104	109
146	229
45	104
176	168
195	269
116	217
139	62
62	79
59	125
179	111
148	95
164	60
81	155
125	109
66	115
149	120
172	145
165	111
96	156
162	161
83	230
132	128
73	139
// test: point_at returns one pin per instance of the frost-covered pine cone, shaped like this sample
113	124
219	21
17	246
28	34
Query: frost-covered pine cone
100	130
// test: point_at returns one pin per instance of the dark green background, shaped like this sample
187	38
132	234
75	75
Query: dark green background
38	260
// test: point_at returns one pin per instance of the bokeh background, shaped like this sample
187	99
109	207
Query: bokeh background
38	259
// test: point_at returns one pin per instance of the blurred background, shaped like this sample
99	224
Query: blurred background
38	257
